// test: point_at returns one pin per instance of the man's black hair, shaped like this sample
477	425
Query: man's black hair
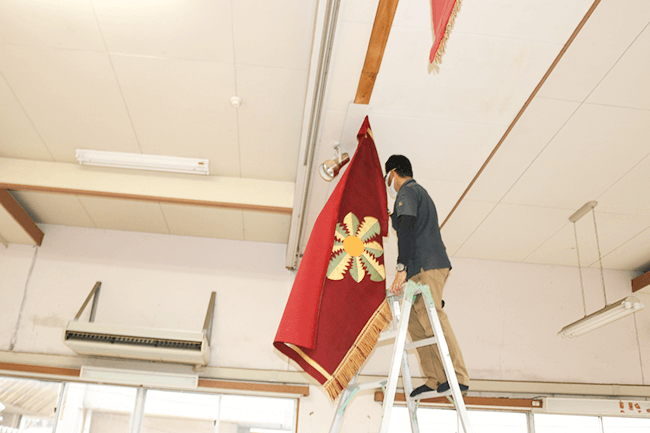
400	164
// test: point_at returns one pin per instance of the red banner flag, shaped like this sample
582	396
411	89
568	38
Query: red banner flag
337	306
443	14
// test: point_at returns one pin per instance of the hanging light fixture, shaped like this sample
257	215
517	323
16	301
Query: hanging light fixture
331	168
609	313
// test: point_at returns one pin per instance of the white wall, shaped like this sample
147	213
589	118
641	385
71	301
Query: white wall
506	315
148	280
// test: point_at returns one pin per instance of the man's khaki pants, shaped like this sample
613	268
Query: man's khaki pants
420	328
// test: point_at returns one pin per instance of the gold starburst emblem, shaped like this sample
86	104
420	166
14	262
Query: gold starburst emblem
354	245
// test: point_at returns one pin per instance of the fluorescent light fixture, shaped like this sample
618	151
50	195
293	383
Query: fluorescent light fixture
141	161
139	378
2	407
609	314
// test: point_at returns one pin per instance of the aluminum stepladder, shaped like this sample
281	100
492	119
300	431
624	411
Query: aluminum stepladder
400	348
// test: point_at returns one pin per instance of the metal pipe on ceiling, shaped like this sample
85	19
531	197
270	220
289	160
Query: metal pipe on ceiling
330	18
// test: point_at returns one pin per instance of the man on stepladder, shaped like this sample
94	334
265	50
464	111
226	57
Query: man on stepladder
422	258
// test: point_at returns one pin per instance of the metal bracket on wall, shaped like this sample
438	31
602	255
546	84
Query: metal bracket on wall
209	318
94	294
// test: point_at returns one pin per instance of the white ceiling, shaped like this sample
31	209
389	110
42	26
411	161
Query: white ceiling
157	77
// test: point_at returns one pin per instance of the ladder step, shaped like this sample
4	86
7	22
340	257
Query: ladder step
420	343
391	335
432	394
373	384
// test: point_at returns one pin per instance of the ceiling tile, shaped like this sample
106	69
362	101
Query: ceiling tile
46	23
72	98
18	138
608	33
512	232
129	215
182	108
626	196
627	84
349	53
597	147
362	11
445	194
270	121
483	79
274	34
548	21
439	149
54	208
536	127
464	221
168	28
634	254
266	227
332	124
204	221
613	231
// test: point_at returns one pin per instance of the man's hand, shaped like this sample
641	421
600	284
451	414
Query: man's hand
396	287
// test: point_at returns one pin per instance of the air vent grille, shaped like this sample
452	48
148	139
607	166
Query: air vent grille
133	341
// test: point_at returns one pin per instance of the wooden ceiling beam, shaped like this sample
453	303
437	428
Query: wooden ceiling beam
16	213
375	53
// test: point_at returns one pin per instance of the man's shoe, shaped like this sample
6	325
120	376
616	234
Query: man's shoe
419	390
444	387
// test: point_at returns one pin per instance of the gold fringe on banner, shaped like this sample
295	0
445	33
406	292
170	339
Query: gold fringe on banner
359	351
437	60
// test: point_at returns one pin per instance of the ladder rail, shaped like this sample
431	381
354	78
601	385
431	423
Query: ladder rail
393	371
399	362
407	380
445	356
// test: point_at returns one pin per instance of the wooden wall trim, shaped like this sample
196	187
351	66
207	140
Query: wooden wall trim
172	200
525	106
254	386
376	47
39	369
73	373
18	213
496	402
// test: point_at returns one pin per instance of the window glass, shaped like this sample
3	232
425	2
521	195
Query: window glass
446	421
27	405
31	424
626	425
498	421
257	414
547	423
180	412
89	408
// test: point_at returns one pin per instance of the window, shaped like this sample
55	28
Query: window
547	423
27	406
96	409
446	421
181	412
626	425
89	408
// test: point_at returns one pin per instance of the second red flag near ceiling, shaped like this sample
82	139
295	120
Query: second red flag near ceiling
337	306
443	14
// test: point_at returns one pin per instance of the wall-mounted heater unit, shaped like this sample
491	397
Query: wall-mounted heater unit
119	341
